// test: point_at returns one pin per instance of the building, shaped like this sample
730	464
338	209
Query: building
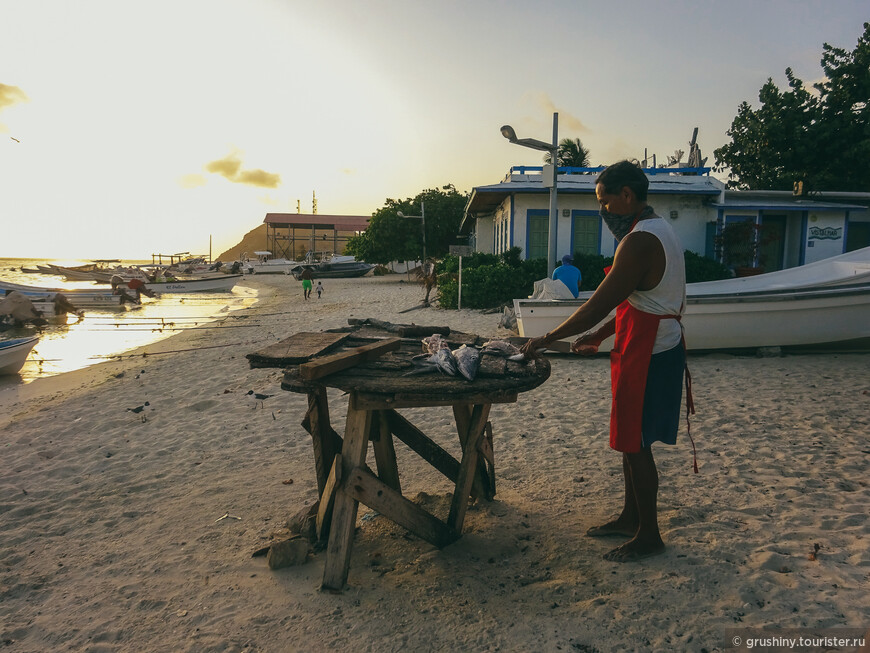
515	213
294	235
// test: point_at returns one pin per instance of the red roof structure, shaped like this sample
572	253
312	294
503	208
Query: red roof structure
297	235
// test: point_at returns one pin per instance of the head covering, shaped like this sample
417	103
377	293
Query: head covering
567	260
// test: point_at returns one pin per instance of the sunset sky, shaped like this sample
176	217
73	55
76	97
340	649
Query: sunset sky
132	128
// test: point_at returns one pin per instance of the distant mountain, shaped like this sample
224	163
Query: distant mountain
254	240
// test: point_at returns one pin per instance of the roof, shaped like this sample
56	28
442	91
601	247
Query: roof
782	204
485	199
337	222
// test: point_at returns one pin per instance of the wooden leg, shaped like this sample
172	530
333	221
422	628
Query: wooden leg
480	485
467	467
325	441
344	510
385	453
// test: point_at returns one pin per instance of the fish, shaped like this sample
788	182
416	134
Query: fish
468	361
422	364
500	348
435	342
445	362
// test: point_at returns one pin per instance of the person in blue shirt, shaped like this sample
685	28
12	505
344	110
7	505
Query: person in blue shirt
568	274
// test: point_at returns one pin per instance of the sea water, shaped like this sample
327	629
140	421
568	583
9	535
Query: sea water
76	343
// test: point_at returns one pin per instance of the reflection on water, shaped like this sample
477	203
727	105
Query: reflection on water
77	343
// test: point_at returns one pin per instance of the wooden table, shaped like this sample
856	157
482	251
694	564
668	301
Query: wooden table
377	390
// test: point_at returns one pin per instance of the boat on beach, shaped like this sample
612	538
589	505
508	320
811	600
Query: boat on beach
820	303
335	267
265	264
79	297
218	283
14	352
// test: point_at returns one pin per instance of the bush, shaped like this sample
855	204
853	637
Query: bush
701	268
591	268
488	280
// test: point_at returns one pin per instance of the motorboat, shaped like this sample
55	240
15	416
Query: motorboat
265	264
335	267
766	318
220	283
14	352
79	297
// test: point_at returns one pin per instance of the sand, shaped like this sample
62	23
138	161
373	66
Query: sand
110	538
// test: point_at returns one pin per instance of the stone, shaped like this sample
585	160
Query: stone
287	553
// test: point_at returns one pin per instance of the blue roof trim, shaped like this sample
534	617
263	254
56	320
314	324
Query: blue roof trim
786	207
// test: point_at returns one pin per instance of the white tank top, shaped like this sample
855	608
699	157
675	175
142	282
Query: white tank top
669	296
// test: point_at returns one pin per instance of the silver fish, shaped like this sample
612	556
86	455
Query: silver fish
445	362
500	348
468	361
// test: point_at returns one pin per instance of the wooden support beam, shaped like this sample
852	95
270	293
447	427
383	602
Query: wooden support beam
327	498
344	510
368	489
467	467
420	443
324	440
341	361
385	453
372	401
480	484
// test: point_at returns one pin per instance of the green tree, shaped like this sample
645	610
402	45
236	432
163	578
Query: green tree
571	154
821	139
392	238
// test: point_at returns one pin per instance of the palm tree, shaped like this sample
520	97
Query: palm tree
571	154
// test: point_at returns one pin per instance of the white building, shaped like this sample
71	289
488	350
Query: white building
515	213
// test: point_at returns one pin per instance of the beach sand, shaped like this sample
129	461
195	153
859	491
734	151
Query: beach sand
110	538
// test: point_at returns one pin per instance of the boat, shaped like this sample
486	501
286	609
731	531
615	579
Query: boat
335	267
221	283
265	264
14	352
822	315
79	297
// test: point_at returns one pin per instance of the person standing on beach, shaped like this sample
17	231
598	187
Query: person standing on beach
568	274
647	286
306	278
319	289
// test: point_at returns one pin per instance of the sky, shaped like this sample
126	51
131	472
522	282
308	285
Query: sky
134	128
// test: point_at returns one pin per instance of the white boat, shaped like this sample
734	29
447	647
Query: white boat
14	352
219	283
773	318
265	264
79	297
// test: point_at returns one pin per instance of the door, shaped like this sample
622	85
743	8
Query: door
771	250
586	233
538	234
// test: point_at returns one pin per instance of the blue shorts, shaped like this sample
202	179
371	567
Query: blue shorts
663	397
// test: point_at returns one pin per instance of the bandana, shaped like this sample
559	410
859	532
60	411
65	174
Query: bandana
621	225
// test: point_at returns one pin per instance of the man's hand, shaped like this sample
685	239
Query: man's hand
587	344
530	349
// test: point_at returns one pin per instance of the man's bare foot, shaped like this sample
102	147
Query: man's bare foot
635	550
616	527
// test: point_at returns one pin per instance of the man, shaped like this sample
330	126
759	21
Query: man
647	283
568	274
306	278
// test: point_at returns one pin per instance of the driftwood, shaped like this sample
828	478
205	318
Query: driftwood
298	348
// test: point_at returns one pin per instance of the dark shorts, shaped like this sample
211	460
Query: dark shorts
663	397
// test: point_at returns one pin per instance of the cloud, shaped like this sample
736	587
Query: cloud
567	121
194	180
230	167
10	95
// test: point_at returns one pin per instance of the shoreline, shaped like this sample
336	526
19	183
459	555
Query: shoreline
111	539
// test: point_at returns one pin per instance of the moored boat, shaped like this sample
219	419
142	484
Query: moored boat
79	297
336	267
14	352
219	283
265	264
767	318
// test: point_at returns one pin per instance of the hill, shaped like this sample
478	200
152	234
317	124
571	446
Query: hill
254	240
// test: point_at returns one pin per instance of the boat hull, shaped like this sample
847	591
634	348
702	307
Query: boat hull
206	284
738	321
14	352
79	298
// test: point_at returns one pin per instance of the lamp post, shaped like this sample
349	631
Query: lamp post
553	148
423	219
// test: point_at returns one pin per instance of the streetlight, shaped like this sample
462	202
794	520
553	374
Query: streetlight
423	218
553	148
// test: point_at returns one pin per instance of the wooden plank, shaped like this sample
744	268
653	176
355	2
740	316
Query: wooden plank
344	510
371	401
422	445
368	489
480	484
385	453
336	362
467	467
327	498
324	440
298	348
414	330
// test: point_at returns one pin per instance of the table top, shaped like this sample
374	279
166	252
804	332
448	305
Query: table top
498	379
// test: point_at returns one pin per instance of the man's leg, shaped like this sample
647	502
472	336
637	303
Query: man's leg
645	482
627	521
